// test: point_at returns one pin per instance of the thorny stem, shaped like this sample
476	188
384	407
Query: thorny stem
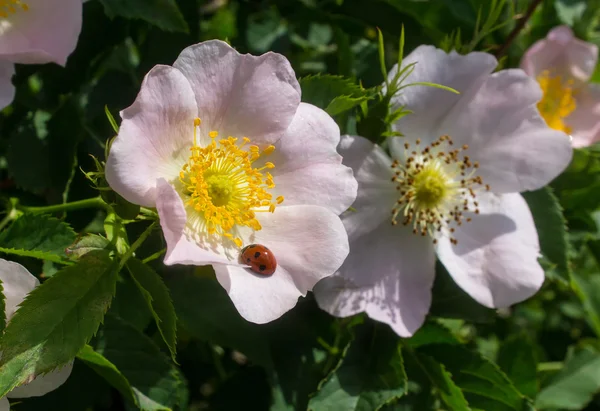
520	25
129	253
95	202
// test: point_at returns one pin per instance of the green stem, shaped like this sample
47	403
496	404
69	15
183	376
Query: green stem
129	253
95	202
154	256
12	215
550	366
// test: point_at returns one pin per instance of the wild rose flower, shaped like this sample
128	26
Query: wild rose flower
563	65
35	32
17	282
450	188
220	144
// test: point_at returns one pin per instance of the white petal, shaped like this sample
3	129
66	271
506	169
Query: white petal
7	90
240	94
173	220
155	136
327	185
43	384
388	274
376	194
431	105
17	282
495	260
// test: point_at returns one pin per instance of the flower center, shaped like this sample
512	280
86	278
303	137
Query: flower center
437	186
221	184
8	7
557	102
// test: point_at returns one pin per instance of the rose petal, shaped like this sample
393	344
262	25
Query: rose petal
501	125
388	274
155	136
241	95
376	195
173	220
43	384
7	90
311	138
47	32
328	185
585	120
431	105
17	283
309	244
495	260
562	53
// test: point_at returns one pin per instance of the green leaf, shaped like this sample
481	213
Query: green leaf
370	374
441	379
484	385
155	381
450	301
56	320
38	236
111	119
108	371
575	385
206	312
431	333
162	13
551	227
86	244
334	94
517	359
587	289
130	305
158	300
570	11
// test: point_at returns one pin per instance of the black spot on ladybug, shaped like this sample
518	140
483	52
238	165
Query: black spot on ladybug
247	259
262	267
256	254
251	246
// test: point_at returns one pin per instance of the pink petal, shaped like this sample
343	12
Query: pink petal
328	185
388	274
563	53
431	105
585	120
376	195
43	384
17	283
173	220
47	32
4	405
156	134
496	259
309	243
501	125
7	90
240	94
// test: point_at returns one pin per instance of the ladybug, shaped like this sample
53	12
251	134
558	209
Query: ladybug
260	259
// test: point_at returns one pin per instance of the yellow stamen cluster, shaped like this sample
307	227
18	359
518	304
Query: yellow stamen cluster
221	184
437	186
8	7
557	102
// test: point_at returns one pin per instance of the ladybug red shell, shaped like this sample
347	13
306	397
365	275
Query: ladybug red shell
260	259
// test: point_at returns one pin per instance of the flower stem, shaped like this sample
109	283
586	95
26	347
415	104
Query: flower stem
520	25
95	202
137	243
154	256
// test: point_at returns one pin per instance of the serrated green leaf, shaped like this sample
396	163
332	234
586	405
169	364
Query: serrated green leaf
517	359
334	94
587	289
155	381
56	319
162	13
484	385
441	379
575	385
370	374
551	227
431	333
108	371
39	236
206	312
159	302
86	244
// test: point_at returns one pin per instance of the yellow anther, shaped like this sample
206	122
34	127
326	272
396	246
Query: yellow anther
197	122
213	134
7	7
254	149
268	164
279	199
558	100
269	150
